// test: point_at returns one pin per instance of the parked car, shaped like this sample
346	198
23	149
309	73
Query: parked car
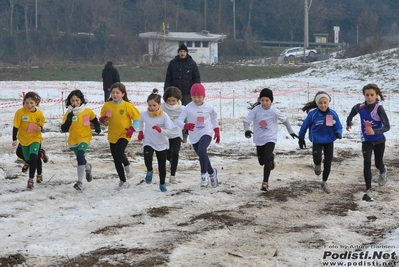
291	53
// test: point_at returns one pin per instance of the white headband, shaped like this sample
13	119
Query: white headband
320	96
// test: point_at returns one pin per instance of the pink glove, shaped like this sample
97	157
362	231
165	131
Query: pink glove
141	136
189	126
103	119
129	132
157	128
217	135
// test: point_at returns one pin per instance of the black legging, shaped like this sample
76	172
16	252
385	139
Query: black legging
173	154
39	164
368	149
328	150
161	157
120	159
264	154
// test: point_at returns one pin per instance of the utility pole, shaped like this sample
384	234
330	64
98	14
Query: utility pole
234	18
305	30
36	15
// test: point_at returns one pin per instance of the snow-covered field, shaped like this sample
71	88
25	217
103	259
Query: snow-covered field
235	224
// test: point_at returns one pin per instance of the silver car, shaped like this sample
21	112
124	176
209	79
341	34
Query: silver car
292	53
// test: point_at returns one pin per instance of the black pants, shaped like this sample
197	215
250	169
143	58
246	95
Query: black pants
328	150
38	160
107	93
172	154
264	154
161	157
120	159
367	149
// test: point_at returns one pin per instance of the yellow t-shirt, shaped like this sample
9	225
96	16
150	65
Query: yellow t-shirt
27	123
80	130
120	118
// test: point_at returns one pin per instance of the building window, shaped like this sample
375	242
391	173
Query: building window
197	44
189	44
205	44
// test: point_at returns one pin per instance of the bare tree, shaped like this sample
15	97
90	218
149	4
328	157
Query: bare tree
26	21
12	3
289	17
368	24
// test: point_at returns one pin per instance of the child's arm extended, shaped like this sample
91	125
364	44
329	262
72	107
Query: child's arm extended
14	136
289	129
67	124
353	113
385	122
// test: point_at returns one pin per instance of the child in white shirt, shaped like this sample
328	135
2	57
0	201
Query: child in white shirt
154	129
173	107
202	123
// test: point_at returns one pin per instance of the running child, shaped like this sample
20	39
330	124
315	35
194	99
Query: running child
77	121
264	117
42	157
324	128
120	113
202	123
373	124
155	127
27	129
172	106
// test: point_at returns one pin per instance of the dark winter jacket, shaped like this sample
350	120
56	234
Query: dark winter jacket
110	76
182	73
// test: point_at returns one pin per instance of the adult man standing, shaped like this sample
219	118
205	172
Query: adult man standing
110	76
182	72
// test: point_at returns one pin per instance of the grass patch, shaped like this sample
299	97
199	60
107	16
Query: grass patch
143	73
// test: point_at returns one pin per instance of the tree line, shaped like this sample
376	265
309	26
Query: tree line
81	31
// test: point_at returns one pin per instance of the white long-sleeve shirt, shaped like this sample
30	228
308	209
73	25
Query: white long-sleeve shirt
204	117
173	113
158	141
265	124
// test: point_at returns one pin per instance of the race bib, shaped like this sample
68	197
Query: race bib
86	120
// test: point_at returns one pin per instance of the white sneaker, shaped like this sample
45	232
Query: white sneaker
89	177
123	185
325	187
214	178
368	196
204	181
128	172
317	169
383	179
172	180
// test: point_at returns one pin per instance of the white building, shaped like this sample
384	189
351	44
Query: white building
202	46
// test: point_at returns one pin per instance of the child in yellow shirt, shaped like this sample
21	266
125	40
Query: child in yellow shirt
120	113
77	121
27	129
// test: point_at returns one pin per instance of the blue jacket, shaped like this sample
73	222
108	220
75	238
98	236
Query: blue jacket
319	132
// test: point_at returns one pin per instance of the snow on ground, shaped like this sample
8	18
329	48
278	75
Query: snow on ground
235	224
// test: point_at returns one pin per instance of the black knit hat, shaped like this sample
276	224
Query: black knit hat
267	93
182	47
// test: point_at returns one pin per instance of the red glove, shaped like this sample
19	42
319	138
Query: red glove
189	126
157	128
129	132
141	136
217	135
103	119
